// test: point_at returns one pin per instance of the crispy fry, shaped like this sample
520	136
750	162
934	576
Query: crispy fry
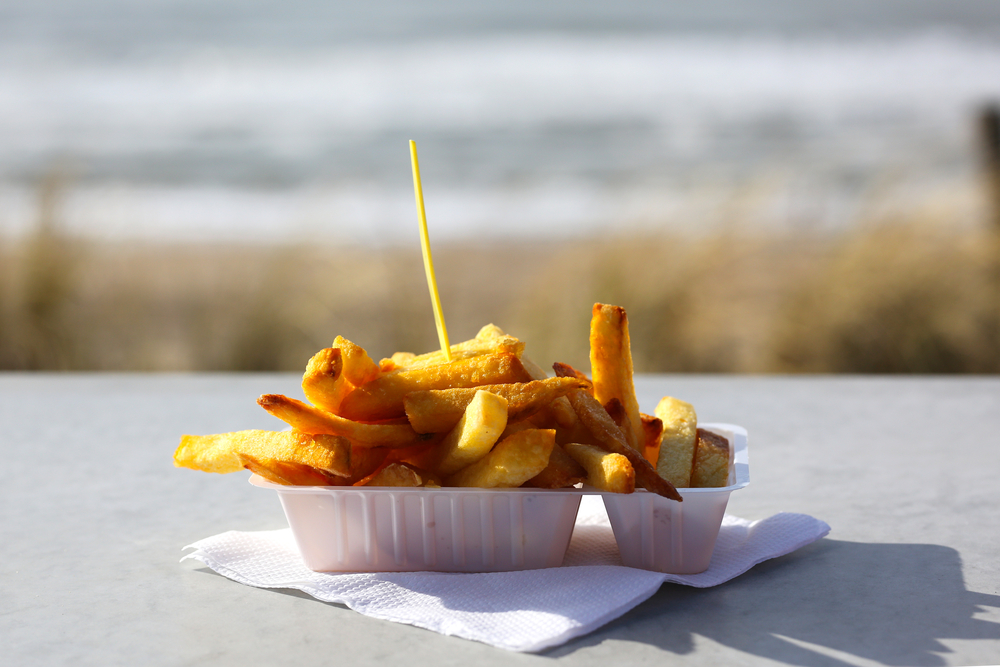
515	427
535	372
512	462
394	474
562	413
488	332
437	410
323	381
561	472
490	340
308	419
561	416
678	444
571	372
605	471
611	367
711	461
209	453
471	439
652	430
610	438
616	411
281	472
366	460
334	371
218	453
358	366
397	360
402	358
382	398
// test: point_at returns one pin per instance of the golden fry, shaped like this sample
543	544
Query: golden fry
605	471
535	372
218	453
511	463
364	461
711	461
475	434
490	340
561	416
358	366
678	444
394	474
323	381
562	413
281	472
208	453
308	419
611	367
334	371
616	411
520	425
652	430
438	410
397	360
382	398
561	472
609	437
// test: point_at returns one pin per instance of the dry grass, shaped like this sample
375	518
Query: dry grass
896	300
893	298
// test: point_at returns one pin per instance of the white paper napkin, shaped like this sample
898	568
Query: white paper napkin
520	611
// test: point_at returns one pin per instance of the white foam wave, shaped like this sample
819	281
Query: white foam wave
293	105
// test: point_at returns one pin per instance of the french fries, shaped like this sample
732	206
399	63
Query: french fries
323	382
488	418
334	371
284	472
382	398
611	368
436	410
561	472
677	444
605	471
395	474
220	453
652	430
514	461
490	340
475	434
712	461
310	419
610	437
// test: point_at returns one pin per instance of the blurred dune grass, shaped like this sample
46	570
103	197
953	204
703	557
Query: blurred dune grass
888	296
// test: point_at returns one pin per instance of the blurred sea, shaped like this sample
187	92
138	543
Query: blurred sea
233	121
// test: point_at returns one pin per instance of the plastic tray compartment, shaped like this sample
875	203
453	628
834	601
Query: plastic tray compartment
654	533
352	529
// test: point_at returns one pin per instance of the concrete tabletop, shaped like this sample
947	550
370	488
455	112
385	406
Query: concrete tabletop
905	470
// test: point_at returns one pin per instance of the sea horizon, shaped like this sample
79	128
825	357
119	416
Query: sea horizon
286	123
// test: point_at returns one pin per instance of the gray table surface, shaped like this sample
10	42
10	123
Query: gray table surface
903	469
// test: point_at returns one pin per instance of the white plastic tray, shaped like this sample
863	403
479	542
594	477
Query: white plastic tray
394	529
654	533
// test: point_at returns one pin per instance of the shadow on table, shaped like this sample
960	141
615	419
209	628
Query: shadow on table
890	603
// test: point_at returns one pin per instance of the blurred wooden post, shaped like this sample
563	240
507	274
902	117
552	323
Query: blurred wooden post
989	137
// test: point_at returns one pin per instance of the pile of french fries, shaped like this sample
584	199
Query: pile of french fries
488	418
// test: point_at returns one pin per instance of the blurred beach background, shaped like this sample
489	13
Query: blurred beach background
767	186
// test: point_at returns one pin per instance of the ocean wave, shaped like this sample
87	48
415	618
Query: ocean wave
687	96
